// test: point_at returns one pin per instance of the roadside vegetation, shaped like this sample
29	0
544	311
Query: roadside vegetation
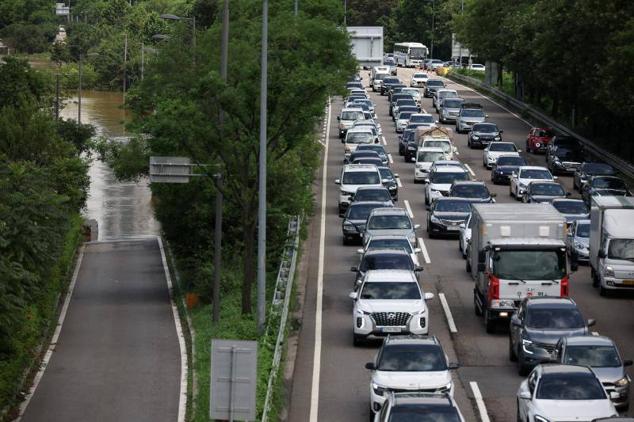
43	183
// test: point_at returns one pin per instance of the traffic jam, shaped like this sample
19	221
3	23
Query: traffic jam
541	209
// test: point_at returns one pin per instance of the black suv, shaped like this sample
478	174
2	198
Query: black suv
482	134
589	169
564	160
387	83
538	325
432	86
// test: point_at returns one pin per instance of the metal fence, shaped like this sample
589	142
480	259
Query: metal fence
281	302
623	166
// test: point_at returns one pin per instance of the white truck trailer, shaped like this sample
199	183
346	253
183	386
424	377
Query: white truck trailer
367	45
612	243
516	251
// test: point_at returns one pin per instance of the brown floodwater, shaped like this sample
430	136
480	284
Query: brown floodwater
122	209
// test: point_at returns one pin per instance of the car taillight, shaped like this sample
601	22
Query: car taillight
564	287
494	288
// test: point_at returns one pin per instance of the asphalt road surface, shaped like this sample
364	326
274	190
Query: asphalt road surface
336	387
117	357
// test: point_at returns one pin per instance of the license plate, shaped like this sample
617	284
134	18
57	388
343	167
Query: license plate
391	329
628	282
453	228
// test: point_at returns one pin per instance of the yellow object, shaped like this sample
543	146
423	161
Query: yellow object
442	71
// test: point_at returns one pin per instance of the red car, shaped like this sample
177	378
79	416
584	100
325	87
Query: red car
538	139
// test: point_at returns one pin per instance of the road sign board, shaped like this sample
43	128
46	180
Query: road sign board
170	169
233	379
61	9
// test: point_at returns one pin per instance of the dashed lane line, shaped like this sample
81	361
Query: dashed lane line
484	416
409	209
383	139
398	182
469	170
423	249
448	315
390	159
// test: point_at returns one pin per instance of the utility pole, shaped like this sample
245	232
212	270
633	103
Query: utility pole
125	64
57	95
79	90
194	38
142	59
433	26
261	295
296	9
345	13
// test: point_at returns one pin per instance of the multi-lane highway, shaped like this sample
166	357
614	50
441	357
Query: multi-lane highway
330	382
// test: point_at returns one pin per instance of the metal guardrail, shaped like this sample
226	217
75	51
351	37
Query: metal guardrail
618	163
281	302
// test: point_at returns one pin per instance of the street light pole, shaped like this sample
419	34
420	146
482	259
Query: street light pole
79	90
345	13
296	8
433	25
261	295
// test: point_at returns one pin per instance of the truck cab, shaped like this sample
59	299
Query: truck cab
516	251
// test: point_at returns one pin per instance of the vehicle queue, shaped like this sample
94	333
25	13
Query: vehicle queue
520	255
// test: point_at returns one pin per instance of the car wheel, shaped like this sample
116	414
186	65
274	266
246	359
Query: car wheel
519	419
469	143
468	265
489	322
603	291
512	355
476	308
357	340
522	368
371	417
346	241
595	278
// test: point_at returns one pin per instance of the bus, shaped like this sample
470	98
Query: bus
409	54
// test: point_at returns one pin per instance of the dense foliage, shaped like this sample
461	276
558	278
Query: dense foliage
43	184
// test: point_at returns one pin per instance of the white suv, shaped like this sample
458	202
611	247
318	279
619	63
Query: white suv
409	364
388	302
347	118
353	176
440	181
425	157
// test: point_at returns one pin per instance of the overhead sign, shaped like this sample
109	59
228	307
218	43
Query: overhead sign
233	380
457	49
61	9
170	169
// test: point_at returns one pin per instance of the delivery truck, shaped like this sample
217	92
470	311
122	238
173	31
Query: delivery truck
516	251
611	250
367	45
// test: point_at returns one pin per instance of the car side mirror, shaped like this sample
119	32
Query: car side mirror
370	365
416	226
360	251
525	394
453	365
493	195
515	321
354	269
418	269
413	160
338	118
627	362
426	181
602	254
429	296
555	177
462	226
501	131
591	322
615	395
337	181
376	141
353	295
417	250
396	175
437	122
486	115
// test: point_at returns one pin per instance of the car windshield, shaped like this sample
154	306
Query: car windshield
405	115
386	222
472	113
367	126
429	156
387	261
501	147
535	174
485	128
420	75
412	357
425	118
423	413
380	195
583	230
580	386
470	191
543	133
359	137
368	160
608	183
408	134
435	82
510	161
621	249
448	178
448	94
598	169
451	103
452	206
571	207
548	189
445	145
361	178
529	265
390	244
351	115
566	154
380	76
373	148
361	211
550	318
390	290
594	356
391	80
405	102
386	173
411	91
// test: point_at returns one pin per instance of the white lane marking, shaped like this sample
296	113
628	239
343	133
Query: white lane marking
398	182
469	170
484	416
423	249
408	208
383	139
54	339
445	307
494	102
314	393
390	159
182	401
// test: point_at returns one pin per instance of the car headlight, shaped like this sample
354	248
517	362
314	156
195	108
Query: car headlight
434	219
526	344
392	187
345	192
476	137
623	382
541	419
609	271
378	389
523	185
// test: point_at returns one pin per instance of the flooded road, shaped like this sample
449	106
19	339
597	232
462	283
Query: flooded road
121	209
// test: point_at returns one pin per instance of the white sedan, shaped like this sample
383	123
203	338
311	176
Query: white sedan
464	237
498	149
419	79
525	175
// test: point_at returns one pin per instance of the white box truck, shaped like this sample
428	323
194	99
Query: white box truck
612	243
367	45
516	251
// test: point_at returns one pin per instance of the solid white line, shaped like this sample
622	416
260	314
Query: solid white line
383	139
423	249
398	182
445	307
182	400
390	159
314	393
408	208
484	416
469	170
54	339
